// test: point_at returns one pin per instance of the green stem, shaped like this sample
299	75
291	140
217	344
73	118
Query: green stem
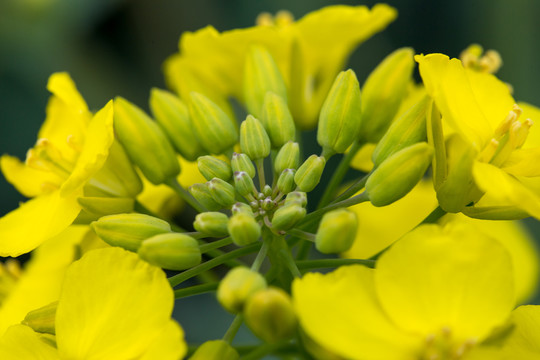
194	271
302	234
233	329
360	198
262	254
215	244
214	253
265	349
353	189
331	263
260	171
290	263
185	195
195	290
338	175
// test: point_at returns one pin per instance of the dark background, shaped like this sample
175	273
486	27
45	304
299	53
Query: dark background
116	47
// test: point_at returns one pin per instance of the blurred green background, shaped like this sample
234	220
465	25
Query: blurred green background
116	47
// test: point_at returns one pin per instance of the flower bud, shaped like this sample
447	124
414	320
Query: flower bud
398	174
243	183
254	140
268	204
238	286
171	251
129	230
267	190
261	75
244	229
336	232
288	157
241	207
309	173
409	129
296	197
222	192
96	207
144	142
172	115
242	162
270	315
382	93
202	194
211	223
212	126
42	320
287	216
339	120
211	167
277	120
215	350
285	183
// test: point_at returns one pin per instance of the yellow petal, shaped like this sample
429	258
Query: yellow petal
63	87
340	311
523	162
190	173
27	181
533	113
99	139
505	188
35	221
169	344
362	160
113	310
524	342
21	342
452	281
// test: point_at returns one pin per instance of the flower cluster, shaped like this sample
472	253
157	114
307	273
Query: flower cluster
230	198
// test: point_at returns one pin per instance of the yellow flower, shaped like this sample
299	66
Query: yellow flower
490	148
524	341
437	293
112	306
306	52
72	146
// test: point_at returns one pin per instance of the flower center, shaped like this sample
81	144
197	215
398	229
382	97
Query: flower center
474	58
442	346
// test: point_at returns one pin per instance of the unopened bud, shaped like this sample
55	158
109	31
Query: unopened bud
243	229
241	207
267	190
172	115
202	194
261	75
211	223
242	162
277	120
171	251
96	207
268	204
254	140
309	173
288	157
297	197
243	183
238	286
212	126
222	192
336	232
287	216
215	350
211	167
270	315
145	143
285	183
383	92
42	320
129	230
398	174
339	120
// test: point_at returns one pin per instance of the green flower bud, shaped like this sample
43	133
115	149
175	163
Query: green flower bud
215	350
277	120
238	286
211	167
398	174
202	194
243	229
211	223
254	140
242	162
243	183
285	183
287	216
267	190
270	315
42	320
268	204
222	192
288	157
261	75
309	173
96	207
171	251
383	92
241	207
336	232
409	129
296	197
172	115
212	126
145	143
129	230
339	120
